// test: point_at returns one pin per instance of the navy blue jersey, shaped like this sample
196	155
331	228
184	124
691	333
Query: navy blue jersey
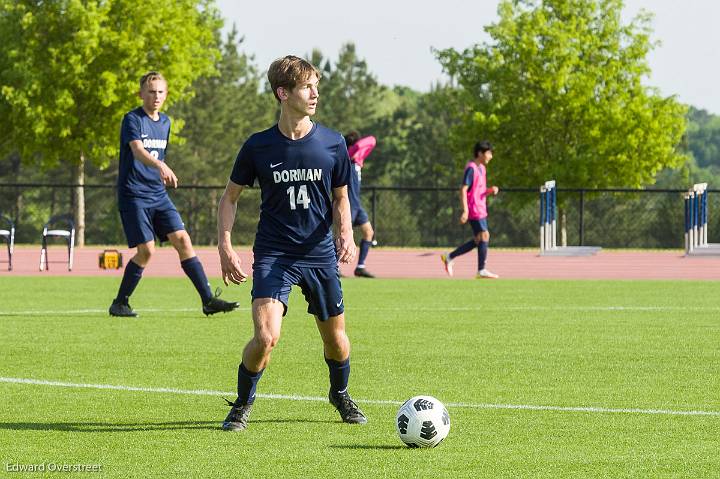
354	187
468	177
296	179
139	185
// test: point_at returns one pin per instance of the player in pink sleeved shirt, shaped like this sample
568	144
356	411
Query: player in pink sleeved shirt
473	194
358	150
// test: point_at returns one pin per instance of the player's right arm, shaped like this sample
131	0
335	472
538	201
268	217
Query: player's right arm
142	155
468	178
229	260
464	204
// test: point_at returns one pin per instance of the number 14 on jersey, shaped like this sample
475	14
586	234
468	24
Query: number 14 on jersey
301	198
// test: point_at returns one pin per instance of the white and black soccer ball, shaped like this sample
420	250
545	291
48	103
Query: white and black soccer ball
422	421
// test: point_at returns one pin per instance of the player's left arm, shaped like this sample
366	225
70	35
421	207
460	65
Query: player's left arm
342	225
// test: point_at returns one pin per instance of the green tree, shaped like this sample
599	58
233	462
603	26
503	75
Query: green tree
415	150
703	138
559	92
702	144
69	71
226	109
350	96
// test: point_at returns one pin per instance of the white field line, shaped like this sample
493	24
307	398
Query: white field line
79	312
293	397
610	309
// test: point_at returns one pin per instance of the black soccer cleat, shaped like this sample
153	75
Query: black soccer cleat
363	273
349	411
237	418
122	309
217	305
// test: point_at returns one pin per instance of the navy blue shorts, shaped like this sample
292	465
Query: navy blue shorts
320	286
359	216
478	226
142	225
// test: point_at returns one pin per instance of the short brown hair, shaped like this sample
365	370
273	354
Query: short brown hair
151	76
288	71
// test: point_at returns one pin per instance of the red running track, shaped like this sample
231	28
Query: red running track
406	263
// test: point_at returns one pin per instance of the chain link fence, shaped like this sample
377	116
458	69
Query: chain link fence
409	217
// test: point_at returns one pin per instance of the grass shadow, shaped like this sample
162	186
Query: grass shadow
136	426
368	446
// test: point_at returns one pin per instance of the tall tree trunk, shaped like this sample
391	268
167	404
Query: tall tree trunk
79	212
563	228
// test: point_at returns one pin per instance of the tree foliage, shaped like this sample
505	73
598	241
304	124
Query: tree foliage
69	69
226	108
413	147
350	96
559	91
704	138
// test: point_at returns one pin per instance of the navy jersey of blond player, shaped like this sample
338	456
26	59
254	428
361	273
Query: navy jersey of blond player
303	170
145	208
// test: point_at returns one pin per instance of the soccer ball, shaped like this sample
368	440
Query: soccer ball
422	421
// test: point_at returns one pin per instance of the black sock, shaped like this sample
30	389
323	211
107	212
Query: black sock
194	270
364	249
131	278
462	249
247	383
482	248
339	375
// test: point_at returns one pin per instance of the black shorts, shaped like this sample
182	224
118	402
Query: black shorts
320	286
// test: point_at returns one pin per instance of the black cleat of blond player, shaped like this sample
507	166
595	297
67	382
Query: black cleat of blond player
363	273
237	418
349	411
217	305
122	309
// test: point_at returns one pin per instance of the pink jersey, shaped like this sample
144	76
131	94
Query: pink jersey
360	150
477	191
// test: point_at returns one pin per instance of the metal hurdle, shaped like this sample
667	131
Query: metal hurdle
548	220
696	221
548	226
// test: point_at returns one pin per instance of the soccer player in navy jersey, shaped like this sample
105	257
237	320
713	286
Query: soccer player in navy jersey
146	210
303	170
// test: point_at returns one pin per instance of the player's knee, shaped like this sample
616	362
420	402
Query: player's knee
338	341
182	241
368	232
485	236
143	255
266	342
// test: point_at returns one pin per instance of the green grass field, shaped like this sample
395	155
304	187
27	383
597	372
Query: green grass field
516	363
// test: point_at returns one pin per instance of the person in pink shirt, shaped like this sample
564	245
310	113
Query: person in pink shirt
358	150
473	194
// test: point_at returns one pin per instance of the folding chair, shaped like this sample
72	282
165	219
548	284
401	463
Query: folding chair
50	230
8	236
